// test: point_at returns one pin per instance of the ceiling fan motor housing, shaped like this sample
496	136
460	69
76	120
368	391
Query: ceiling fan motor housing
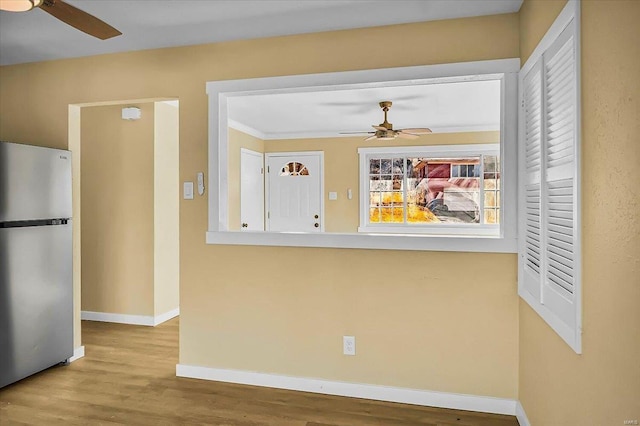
385	105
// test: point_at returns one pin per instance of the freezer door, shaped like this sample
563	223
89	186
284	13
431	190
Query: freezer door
35	182
36	300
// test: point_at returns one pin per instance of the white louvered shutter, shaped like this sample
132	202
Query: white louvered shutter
532	153
549	269
560	187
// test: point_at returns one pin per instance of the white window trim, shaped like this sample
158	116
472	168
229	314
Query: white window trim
219	92
573	337
443	151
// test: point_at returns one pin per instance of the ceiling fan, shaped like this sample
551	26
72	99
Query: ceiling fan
68	14
384	131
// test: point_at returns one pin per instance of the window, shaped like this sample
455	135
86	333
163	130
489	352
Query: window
549	183
431	189
294	169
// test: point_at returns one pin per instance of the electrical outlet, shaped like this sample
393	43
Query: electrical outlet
349	345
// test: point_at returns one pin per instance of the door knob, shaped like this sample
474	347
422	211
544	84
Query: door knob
316	224
244	225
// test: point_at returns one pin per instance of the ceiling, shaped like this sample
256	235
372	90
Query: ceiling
444	107
146	24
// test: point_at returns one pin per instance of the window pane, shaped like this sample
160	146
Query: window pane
385	166
489	183
411	172
489	163
490	216
455	170
398	166
398	216
374	167
489	199
383	183
374	215
398	182
386	214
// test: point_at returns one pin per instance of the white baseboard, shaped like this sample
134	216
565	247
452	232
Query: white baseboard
117	318
77	354
521	415
147	320
159	319
455	401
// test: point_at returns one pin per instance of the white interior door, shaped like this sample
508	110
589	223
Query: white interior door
251	190
295	182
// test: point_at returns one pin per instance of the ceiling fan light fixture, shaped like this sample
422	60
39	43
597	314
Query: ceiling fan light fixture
19	5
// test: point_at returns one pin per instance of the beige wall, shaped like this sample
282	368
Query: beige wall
454	315
601	386
117	211
236	141
166	213
341	168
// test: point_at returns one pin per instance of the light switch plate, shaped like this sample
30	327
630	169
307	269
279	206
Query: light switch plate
188	191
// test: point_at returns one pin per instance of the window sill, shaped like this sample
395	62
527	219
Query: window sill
366	241
439	231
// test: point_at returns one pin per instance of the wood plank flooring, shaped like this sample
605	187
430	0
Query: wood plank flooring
128	378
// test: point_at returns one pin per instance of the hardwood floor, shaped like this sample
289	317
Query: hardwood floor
128	378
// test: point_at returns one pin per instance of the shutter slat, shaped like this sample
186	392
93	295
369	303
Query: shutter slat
560	269
564	54
560	243
554	220
557	85
559	251
533	121
532	229
561	283
556	275
558	122
562	260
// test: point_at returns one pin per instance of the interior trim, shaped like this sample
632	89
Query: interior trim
456	401
521	415
77	354
147	320
219	92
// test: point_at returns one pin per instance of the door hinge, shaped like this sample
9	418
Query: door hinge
268	169
261	170
268	215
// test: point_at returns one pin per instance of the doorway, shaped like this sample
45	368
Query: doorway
128	262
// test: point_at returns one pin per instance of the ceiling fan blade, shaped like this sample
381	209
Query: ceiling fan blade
384	129
78	19
355	133
418	131
404	135
370	138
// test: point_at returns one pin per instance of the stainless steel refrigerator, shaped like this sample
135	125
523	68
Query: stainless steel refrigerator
36	290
